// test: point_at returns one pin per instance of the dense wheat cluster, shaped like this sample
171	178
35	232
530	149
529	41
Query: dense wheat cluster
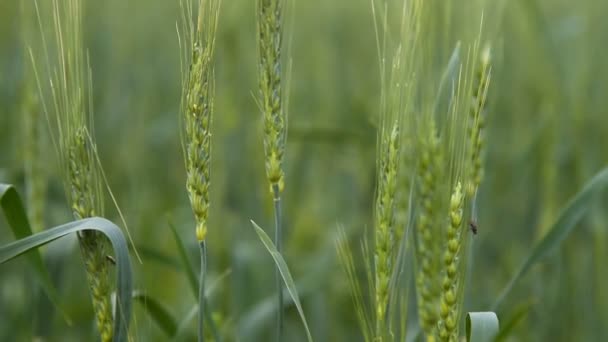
283	170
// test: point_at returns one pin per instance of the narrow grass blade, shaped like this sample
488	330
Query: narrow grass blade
284	270
186	263
122	313
569	217
481	326
157	312
518	315
153	254
16	217
182	329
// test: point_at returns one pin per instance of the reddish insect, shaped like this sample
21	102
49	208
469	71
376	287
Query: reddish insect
473	226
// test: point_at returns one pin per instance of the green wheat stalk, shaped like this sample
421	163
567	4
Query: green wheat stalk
198	94
270	39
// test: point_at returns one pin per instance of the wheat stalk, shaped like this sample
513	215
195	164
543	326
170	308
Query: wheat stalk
69	82
198	94
270	39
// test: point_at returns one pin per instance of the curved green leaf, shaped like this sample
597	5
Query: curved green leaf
481	326
158	312
16	217
122	310
569	217
284	270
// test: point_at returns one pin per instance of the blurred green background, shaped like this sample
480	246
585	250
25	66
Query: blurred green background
547	134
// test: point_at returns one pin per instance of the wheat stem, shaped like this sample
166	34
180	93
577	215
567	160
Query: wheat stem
270	36
201	291
278	237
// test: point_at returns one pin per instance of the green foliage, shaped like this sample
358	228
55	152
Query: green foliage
122	311
15	215
543	139
570	216
285	274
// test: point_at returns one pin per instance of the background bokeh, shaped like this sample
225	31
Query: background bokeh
547	134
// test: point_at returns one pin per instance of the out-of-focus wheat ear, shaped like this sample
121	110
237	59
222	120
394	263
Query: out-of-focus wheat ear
384	223
33	130
429	183
33	158
477	120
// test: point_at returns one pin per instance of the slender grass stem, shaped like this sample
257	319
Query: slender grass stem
201	293
278	238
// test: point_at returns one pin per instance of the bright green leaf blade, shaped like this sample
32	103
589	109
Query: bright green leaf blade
569	217
157	312
16	217
481	326
122	313
284	270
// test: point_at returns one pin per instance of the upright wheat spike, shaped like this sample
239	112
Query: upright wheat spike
70	86
477	121
428	184
197	98
35	176
93	245
270	39
384	218
33	133
447	326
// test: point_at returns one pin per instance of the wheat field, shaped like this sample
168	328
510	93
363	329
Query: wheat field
290	170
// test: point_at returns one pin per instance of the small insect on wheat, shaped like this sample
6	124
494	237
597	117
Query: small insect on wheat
111	259
473	226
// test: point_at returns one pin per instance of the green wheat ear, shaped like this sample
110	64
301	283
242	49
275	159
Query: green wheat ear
271	102
270	39
384	223
70	84
477	120
197	109
429	184
198	96
447	326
